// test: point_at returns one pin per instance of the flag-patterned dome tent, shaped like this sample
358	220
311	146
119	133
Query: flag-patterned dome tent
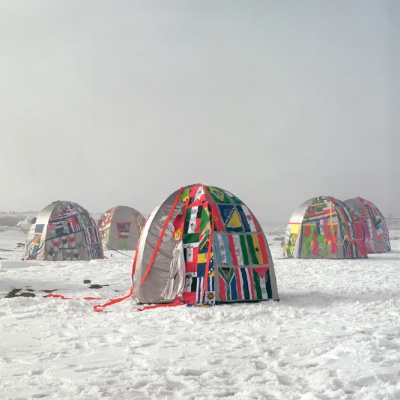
374	225
120	228
63	231
323	227
202	245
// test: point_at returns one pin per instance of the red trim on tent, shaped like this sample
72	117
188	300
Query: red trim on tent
184	218
210	245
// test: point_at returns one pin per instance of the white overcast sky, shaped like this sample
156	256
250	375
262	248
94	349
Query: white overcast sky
124	101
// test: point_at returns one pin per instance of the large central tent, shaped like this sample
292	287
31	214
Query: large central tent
203	245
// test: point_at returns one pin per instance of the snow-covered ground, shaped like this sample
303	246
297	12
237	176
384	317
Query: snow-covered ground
333	335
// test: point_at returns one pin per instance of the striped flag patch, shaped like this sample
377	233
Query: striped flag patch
243	283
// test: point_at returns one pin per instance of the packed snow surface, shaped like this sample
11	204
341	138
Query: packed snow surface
334	334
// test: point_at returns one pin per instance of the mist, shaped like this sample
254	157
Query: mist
106	103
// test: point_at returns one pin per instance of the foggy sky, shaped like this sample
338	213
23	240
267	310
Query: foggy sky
123	102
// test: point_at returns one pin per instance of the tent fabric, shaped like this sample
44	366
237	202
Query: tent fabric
203	245
323	227
373	223
63	231
120	228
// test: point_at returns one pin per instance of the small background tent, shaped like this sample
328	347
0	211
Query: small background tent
373	223
323	227
63	231
203	245
120	228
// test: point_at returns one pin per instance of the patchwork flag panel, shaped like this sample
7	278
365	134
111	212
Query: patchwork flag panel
123	229
234	264
239	246
106	218
222	249
63	248
197	195
349	232
292	237
198	253
234	218
328	229
70	229
243	284
325	210
218	195
195	251
319	238
120	228
234	198
378	229
240	250
320	208
197	220
230	218
257	247
193	289
36	244
38	235
67	232
250	223
385	243
370	227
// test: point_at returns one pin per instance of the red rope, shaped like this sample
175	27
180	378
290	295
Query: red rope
99	307
60	296
177	302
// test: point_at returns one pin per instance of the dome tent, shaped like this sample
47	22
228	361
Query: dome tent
63	231
120	228
323	227
374	225
202	245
